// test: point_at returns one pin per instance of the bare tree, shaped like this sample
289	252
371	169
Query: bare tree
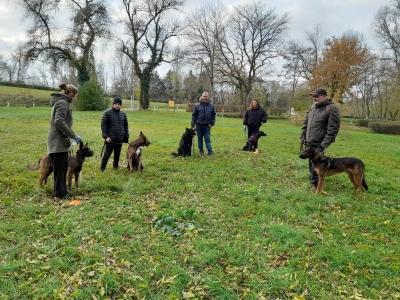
387	26
90	20
203	26
247	43
149	32
14	69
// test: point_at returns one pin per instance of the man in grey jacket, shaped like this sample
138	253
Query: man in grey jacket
60	133
320	128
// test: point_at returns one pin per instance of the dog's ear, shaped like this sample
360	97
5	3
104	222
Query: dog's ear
141	133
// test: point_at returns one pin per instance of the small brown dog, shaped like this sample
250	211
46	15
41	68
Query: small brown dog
326	166
75	164
134	153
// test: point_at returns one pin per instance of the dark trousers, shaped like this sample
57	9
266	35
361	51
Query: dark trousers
109	148
313	175
59	161
204	132
253	130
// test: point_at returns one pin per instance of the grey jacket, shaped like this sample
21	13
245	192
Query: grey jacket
321	125
60	124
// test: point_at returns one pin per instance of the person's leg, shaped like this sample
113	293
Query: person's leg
60	167
106	155
200	132
254	130
117	152
207	139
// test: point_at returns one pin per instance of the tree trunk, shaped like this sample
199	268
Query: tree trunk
144	91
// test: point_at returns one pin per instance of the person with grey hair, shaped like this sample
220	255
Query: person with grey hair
60	133
203	118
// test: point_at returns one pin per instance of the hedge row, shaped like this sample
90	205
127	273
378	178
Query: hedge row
22	85
385	127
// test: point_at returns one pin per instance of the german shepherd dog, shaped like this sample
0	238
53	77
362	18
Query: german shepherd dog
75	164
185	145
134	153
327	166
251	142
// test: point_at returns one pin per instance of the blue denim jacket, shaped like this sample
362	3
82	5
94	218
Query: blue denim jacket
203	114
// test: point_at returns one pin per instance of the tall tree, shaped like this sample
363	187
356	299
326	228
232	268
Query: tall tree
203	26
247	43
341	65
90	21
387	26
149	32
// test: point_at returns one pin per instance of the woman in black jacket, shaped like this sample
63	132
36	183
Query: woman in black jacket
254	117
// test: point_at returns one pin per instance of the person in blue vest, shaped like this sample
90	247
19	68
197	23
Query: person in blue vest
203	118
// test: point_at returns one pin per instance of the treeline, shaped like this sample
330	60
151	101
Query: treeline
228	52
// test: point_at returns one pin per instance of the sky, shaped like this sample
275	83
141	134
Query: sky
333	16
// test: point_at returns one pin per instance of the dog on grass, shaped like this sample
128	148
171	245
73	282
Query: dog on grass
185	145
326	166
75	164
134	153
252	141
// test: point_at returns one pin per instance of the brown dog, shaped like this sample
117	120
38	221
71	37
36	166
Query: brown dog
134	153
75	164
327	166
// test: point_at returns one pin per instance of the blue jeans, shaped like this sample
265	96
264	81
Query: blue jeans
203	131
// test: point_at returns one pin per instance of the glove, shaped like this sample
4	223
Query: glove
77	139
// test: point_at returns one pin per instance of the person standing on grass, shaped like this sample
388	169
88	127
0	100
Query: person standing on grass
59	135
203	118
114	128
254	117
320	128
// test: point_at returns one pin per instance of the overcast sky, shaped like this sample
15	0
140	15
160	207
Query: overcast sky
334	17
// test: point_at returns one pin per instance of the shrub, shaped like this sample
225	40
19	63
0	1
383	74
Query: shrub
91	97
385	127
361	122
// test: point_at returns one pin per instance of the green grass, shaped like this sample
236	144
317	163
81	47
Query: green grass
231	226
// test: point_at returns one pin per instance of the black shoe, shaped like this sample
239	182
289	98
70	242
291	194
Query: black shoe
65	197
210	153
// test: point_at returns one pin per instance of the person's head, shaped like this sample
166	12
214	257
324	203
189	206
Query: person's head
117	102
204	97
319	95
254	104
70	90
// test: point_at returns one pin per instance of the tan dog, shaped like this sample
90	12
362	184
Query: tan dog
75	164
134	153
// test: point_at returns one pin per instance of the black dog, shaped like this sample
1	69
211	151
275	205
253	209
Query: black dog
326	166
185	145
251	142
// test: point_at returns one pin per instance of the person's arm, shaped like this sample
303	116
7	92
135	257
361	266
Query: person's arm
213	116
304	129
61	109
104	126
245	117
264	116
126	138
194	116
333	127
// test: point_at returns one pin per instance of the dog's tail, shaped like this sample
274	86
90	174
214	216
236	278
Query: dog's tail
34	167
364	183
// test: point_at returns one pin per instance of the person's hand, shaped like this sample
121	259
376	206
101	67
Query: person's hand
108	140
320	149
78	139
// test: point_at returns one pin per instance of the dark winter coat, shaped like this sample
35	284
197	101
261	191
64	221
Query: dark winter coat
114	124
321	125
255	117
203	114
60	130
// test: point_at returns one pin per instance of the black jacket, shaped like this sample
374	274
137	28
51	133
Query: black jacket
114	124
321	125
255	117
203	114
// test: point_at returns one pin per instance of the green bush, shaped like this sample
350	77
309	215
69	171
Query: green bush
385	127
361	122
91	97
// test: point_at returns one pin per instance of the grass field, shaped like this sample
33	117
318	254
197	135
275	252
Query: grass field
232	226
